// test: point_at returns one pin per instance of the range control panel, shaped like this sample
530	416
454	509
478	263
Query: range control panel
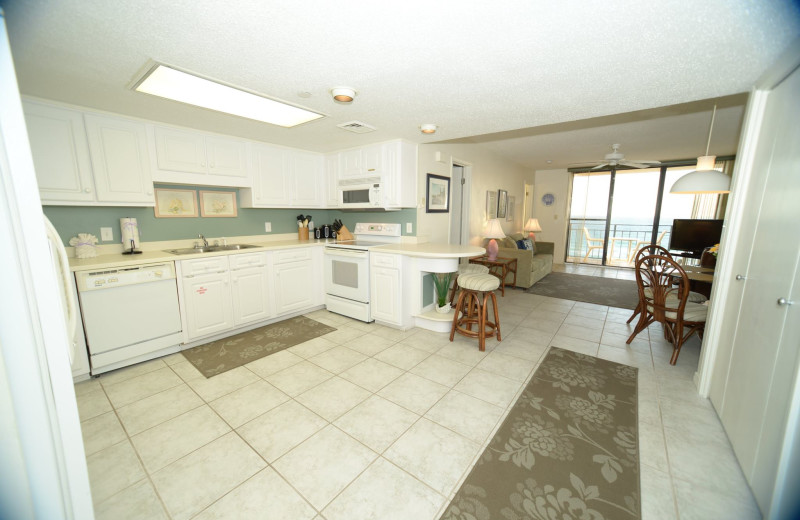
88	281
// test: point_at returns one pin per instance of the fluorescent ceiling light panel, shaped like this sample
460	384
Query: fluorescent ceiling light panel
180	86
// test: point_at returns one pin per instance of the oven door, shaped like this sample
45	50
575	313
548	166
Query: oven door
347	273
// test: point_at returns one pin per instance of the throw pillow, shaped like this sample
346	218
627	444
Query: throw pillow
525	244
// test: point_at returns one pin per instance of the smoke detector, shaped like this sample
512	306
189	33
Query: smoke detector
357	127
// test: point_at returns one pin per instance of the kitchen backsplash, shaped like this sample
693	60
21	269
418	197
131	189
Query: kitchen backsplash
71	220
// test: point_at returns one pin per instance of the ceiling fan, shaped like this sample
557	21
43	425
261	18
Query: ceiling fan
615	158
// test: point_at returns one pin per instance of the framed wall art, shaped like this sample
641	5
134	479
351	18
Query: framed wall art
437	194
502	203
510	209
491	205
175	203
218	203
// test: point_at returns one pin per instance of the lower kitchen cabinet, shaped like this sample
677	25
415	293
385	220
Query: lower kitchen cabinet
294	287
386	302
250	291
207	303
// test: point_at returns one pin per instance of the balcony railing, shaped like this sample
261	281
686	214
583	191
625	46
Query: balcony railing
624	241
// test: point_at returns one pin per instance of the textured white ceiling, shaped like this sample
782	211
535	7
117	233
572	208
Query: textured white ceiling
474	68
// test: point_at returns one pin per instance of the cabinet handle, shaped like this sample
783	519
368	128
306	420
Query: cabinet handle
87	190
203	164
211	165
149	192
784	301
370	169
739	278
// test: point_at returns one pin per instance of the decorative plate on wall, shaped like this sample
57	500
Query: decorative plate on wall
548	199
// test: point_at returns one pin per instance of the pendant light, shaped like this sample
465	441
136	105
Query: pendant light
705	179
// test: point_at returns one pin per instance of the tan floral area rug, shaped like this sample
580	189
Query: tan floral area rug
234	351
568	448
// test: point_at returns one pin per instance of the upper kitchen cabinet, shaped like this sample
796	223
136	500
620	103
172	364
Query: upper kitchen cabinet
120	160
361	162
186	157
331	178
60	154
284	178
88	159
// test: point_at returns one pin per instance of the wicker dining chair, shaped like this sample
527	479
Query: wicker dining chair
663	292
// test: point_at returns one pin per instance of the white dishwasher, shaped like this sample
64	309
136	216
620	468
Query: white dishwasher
129	314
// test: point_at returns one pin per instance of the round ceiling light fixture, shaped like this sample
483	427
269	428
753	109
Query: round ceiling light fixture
343	94
428	128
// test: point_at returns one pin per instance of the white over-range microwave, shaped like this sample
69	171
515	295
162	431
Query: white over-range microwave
360	193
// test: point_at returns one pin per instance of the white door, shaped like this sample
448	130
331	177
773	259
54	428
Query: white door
270	182
120	160
226	157
385	294
180	151
208	304
60	153
753	389
306	175
294	286
249	291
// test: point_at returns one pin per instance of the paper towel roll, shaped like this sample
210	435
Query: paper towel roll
129	231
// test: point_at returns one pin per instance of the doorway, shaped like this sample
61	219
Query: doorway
459	203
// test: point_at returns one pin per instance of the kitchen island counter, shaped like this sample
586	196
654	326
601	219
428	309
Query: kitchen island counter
431	250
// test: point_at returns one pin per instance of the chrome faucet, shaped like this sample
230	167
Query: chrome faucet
205	242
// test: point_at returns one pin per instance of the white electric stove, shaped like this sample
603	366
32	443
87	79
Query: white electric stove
347	269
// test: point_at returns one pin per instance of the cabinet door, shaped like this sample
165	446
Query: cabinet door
208	304
385	294
120	160
391	175
373	160
60	154
270	181
250	295
331	181
350	164
226	157
307	180
294	287
180	151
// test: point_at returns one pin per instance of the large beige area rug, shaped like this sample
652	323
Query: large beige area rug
568	448
234	351
590	289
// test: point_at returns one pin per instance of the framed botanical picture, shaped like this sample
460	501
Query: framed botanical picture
510	209
491	205
438	194
175	203
502	203
218	203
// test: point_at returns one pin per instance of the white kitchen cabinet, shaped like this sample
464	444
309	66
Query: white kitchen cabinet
284	178
385	288
189	157
395	162
331	181
251	288
367	161
120	160
60	154
295	280
207	303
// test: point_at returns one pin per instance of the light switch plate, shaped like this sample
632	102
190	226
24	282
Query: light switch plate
268	227
106	234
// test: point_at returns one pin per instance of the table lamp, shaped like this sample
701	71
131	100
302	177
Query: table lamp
493	230
533	227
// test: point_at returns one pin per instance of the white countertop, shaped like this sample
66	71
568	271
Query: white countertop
430	250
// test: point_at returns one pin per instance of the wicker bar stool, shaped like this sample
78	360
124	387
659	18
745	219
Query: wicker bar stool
466	269
472	308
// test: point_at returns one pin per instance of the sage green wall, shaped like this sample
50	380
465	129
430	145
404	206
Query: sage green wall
71	220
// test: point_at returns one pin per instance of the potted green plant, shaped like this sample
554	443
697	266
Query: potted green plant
442	283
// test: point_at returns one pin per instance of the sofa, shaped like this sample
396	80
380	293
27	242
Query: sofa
532	265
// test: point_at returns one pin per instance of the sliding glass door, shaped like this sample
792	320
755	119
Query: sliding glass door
615	213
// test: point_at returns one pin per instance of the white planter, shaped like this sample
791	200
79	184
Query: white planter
444	309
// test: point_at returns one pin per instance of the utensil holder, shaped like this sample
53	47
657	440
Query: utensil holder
302	233
344	234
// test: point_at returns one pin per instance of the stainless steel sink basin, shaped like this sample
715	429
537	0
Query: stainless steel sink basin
209	249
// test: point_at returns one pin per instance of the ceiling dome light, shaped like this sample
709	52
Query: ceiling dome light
343	94
428	128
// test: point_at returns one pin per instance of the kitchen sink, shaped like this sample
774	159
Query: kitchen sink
209	249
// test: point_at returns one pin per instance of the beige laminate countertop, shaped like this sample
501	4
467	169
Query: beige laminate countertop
115	261
431	250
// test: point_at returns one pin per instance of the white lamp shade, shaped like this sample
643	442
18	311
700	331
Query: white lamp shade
532	225
493	229
703	180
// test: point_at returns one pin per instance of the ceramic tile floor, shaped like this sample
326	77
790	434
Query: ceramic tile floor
374	423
